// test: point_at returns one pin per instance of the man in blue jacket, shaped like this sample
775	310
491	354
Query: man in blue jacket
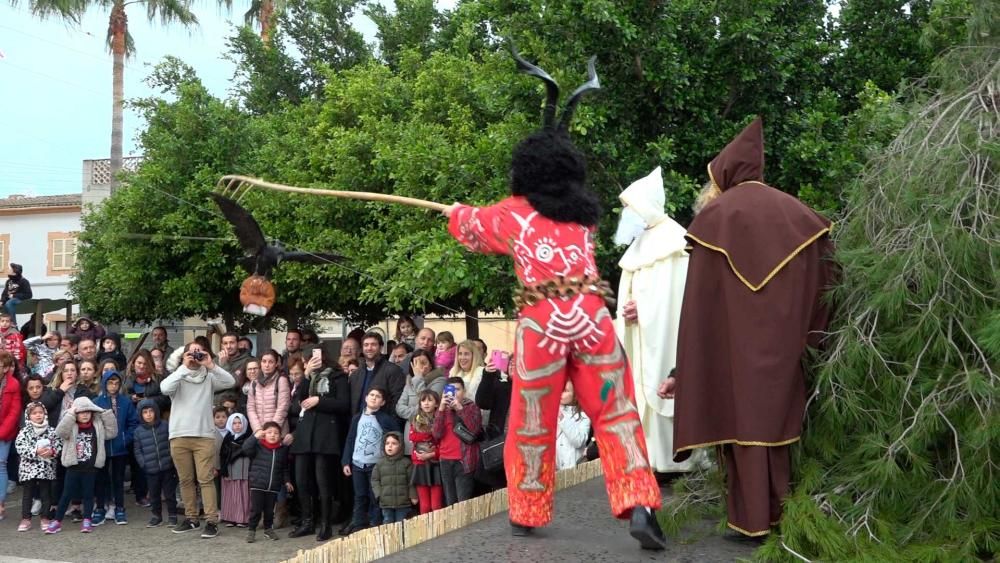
113	474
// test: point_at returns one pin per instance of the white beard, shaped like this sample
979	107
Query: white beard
630	226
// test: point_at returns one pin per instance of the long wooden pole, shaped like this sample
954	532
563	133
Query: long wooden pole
235	182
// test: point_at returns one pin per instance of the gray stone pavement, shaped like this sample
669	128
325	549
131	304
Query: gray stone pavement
583	530
134	542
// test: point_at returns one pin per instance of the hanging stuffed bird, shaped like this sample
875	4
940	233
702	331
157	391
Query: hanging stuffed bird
257	293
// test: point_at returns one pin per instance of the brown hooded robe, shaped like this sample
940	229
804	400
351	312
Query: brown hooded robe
751	304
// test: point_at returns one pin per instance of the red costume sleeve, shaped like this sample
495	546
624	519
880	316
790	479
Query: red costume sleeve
480	229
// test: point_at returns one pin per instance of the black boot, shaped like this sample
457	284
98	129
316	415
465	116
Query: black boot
646	529
324	528
520	531
305	528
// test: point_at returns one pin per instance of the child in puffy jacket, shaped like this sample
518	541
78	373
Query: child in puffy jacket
269	471
392	480
111	480
151	444
38	445
84	430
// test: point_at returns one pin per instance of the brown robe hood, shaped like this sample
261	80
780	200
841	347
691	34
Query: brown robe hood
752	304
757	228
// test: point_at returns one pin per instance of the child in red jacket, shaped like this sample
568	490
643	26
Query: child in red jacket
426	469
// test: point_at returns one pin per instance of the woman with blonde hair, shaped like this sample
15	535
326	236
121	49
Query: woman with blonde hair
468	366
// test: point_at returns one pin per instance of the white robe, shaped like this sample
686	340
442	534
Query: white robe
654	269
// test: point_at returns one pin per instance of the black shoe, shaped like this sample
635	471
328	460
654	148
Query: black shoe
345	529
271	534
251	536
76	515
646	529
324	532
737	537
154	522
211	530
519	531
305	528
186	526
172	520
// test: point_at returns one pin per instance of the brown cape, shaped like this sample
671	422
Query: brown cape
757	271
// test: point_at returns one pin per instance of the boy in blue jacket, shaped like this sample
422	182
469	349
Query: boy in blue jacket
151	445
113	398
362	450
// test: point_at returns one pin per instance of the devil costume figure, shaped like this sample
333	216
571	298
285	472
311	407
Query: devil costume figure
752	303
564	329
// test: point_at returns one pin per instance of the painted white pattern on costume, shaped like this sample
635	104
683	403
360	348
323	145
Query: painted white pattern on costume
531	425
530	247
625	432
532	456
572	327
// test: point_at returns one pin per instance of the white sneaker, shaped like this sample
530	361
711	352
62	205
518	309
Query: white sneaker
36	507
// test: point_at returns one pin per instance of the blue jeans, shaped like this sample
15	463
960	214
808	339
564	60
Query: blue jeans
4	452
10	305
366	510
390	515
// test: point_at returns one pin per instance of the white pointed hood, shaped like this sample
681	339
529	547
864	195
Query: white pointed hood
663	237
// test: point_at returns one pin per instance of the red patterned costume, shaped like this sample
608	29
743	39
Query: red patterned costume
559	338
564	329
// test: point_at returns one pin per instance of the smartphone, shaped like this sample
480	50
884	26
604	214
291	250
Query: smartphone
449	391
317	353
501	360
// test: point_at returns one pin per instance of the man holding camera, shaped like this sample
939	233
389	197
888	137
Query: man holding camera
192	433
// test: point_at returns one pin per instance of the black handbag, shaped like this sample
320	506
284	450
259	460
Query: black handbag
491	450
462	431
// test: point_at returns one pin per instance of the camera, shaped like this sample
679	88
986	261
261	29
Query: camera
198	355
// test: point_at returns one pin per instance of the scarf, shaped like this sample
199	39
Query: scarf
271	445
265	379
142	379
85	425
423	420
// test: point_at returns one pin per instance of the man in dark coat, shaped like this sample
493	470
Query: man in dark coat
375	371
752	303
16	290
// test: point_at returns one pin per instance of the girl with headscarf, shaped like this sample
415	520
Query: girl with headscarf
235	473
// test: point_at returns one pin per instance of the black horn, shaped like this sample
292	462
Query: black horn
592	83
551	87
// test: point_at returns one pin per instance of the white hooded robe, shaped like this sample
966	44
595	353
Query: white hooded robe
654	269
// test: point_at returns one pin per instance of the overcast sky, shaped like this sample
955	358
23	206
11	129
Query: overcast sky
55	87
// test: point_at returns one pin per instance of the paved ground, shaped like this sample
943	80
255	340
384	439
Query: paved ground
134	542
583	531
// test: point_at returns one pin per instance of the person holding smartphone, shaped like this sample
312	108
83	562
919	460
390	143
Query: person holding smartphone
456	429
191	387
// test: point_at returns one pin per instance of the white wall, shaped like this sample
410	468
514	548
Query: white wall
29	246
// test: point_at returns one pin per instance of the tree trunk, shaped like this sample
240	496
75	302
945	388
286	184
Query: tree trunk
229	319
471	325
118	28
266	21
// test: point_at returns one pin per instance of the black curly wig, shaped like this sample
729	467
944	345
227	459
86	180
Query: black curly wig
551	173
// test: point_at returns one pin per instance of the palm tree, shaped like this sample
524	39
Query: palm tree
262	12
120	43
